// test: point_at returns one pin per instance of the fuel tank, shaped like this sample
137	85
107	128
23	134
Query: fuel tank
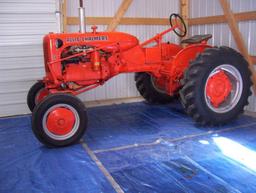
110	41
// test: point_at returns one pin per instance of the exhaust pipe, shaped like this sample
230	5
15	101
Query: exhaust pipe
82	16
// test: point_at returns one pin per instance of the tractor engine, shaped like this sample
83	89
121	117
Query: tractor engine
88	65
71	50
83	59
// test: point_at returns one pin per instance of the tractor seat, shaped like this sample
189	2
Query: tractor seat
196	39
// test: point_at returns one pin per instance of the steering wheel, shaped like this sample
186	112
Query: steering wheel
176	20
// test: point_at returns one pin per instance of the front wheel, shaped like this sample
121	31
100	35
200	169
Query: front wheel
36	94
216	86
59	120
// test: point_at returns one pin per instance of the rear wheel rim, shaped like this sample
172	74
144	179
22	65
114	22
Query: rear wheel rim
53	130
235	93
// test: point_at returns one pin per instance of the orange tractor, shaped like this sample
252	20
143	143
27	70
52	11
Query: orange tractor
213	83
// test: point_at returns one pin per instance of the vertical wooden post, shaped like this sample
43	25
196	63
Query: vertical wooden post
64	15
237	36
119	14
184	11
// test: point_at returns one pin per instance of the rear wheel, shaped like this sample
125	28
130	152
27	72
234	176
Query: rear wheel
216	86
59	120
151	89
36	94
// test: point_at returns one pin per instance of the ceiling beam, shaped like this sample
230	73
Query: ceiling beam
237	36
119	14
244	16
123	21
64	16
184	11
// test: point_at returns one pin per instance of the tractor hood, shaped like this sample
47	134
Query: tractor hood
109	41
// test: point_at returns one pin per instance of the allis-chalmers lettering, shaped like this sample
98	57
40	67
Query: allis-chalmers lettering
84	39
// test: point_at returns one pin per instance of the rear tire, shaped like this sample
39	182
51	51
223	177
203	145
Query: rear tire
195	96
148	91
59	120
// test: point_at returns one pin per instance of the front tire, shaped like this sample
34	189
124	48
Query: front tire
149	91
59	120
216	86
36	94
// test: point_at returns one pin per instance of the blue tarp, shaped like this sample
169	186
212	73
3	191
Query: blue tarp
144	148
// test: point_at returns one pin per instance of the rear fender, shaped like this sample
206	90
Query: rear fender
181	61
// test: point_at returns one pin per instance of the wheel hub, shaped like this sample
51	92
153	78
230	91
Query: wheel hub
218	88
60	121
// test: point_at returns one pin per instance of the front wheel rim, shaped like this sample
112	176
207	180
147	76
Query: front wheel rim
40	95
231	95
52	131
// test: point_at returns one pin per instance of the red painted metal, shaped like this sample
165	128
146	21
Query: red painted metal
218	88
77	62
159	83
60	121
41	95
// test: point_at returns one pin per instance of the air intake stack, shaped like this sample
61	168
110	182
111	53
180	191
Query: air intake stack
81	10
